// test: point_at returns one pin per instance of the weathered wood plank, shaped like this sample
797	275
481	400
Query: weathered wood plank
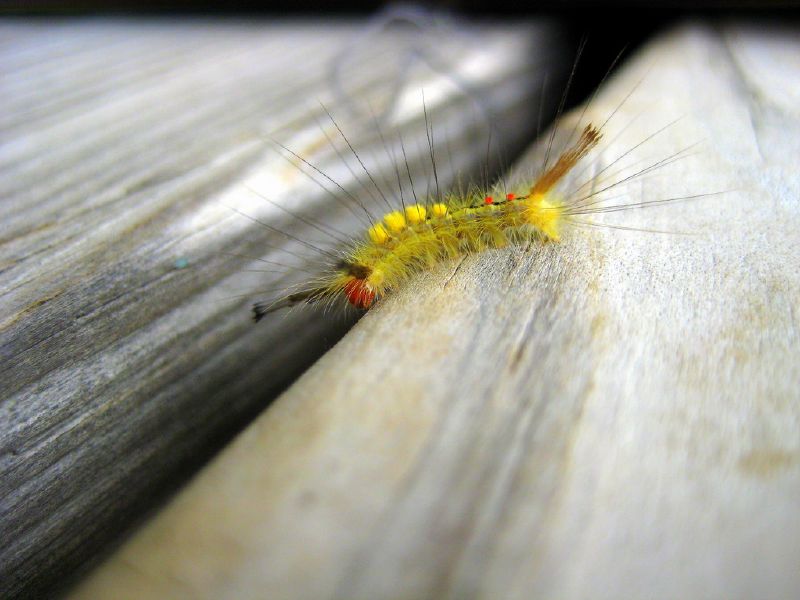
126	360
616	416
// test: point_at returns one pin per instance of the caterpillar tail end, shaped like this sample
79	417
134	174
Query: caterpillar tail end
545	215
262	309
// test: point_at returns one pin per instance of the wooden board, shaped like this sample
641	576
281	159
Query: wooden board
616	416
128	351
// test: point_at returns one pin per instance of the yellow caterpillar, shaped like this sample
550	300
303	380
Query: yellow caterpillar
423	234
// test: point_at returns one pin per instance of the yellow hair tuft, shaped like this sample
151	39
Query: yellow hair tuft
439	210
378	234
395	221
415	214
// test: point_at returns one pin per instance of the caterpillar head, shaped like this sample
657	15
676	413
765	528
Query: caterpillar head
359	289
359	293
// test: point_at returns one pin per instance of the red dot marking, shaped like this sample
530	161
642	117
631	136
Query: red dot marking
509	196
488	200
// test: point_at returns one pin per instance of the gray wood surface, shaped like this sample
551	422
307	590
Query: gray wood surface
615	416
126	150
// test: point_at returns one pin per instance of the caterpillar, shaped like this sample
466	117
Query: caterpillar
418	235
423	234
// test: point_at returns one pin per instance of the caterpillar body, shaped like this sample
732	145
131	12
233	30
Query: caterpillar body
423	234
415	236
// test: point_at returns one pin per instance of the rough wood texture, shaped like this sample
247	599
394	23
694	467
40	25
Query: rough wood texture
617	416
126	358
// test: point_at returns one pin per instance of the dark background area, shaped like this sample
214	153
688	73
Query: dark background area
607	27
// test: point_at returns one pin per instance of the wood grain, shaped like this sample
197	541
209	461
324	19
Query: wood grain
616	416
128	352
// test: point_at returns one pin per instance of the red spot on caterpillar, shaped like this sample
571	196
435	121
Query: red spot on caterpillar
488	200
509	197
358	294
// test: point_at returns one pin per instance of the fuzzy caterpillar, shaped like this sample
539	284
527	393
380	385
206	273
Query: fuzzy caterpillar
424	234
414	237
